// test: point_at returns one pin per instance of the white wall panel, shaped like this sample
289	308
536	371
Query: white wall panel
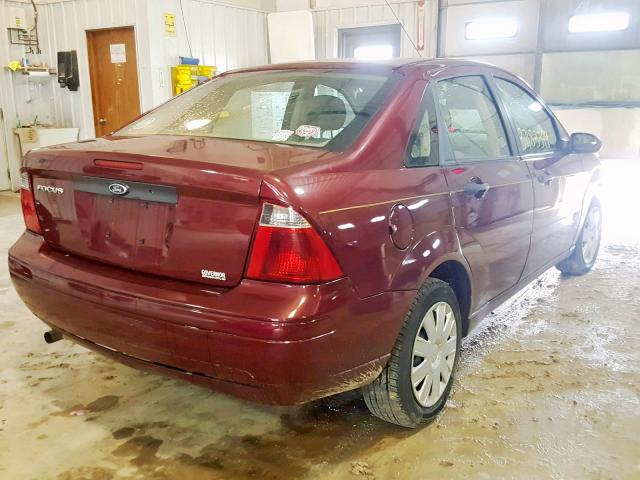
8	144
285	26
525	12
225	36
581	77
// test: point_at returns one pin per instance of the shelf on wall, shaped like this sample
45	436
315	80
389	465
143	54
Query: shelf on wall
32	70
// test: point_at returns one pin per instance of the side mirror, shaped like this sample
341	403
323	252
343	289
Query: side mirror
585	143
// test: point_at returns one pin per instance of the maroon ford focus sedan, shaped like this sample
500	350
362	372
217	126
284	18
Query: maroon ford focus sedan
289	232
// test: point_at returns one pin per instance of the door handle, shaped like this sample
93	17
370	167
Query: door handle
476	188
545	178
102	121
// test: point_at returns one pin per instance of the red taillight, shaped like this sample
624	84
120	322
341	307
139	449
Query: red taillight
286	248
28	204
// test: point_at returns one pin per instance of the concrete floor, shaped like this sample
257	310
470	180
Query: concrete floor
549	387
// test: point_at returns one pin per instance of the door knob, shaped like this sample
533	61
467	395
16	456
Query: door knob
476	188
102	121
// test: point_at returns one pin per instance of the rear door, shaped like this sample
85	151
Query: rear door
558	179
113	69
491	190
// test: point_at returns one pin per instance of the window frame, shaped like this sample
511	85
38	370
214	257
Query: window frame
447	157
561	134
427	106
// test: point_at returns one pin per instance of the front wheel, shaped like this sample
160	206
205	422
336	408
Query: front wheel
585	252
416	382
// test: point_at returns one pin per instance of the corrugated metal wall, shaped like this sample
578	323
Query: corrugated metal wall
7	144
63	26
221	35
225	36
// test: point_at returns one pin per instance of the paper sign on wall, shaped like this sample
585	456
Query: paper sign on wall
118	53
169	24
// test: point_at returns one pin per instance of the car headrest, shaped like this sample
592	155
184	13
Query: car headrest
326	111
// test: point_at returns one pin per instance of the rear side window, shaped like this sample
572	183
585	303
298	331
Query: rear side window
423	145
319	108
534	126
473	124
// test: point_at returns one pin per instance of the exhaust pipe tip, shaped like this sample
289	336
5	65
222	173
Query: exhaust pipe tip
52	336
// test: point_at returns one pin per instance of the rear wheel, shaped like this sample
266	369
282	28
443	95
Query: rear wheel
586	249
416	382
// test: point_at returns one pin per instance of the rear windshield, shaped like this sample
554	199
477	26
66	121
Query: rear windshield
314	108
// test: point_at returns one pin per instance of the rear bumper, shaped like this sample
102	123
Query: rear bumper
273	343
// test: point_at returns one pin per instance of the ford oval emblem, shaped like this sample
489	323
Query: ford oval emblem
119	189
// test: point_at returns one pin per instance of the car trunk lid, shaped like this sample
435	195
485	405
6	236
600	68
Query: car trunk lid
171	206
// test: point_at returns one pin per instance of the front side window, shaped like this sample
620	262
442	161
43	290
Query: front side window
472	120
310	108
534	126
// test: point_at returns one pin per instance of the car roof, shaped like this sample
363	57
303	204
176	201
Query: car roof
377	66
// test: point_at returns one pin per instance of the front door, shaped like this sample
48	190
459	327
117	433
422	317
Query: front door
113	68
491	190
559	181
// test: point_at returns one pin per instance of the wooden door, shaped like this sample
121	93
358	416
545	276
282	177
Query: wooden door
113	68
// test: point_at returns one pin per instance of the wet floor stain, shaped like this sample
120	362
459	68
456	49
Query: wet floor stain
334	430
123	432
142	449
87	473
97	406
103	403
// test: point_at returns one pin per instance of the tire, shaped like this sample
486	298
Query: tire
393	397
585	251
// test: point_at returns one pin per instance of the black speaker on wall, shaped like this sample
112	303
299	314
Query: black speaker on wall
68	70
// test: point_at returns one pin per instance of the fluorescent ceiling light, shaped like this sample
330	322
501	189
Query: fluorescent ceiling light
599	22
373	52
491	28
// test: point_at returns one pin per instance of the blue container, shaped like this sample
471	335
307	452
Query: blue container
189	61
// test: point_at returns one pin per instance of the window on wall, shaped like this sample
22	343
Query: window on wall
599	22
488	28
473	124
370	43
373	52
534	126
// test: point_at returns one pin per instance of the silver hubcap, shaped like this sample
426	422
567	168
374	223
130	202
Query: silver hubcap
591	235
434	352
